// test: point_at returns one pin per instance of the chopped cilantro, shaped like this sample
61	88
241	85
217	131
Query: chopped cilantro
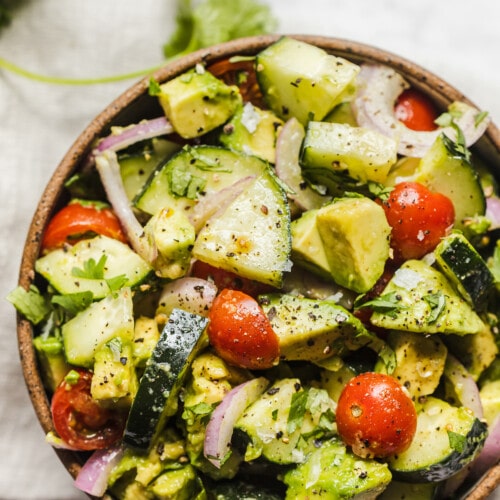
91	270
437	302
388	304
297	412
73	303
154	88
457	441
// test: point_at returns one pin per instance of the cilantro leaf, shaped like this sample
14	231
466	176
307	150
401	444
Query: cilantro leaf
297	411
215	21
437	303
457	441
91	270
388	304
73	303
30	303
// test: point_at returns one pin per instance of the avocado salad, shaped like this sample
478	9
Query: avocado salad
284	284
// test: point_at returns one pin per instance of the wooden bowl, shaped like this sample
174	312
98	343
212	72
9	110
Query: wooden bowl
135	104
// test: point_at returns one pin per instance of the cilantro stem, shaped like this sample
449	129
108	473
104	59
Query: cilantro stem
18	70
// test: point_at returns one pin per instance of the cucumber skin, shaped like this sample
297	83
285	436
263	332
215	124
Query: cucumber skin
163	377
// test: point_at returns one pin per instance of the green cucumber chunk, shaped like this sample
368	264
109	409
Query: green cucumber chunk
191	174
446	440
444	172
251	237
301	80
465	268
102	321
60	266
156	399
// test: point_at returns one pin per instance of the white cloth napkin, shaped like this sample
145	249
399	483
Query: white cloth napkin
456	39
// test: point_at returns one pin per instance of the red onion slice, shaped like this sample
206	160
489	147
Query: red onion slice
109	171
217	202
93	476
288	167
191	294
465	387
373	106
223	419
121	138
493	211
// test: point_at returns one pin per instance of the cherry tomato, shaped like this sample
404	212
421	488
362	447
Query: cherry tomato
375	416
76	221
226	279
242	74
241	333
416	110
80	421
419	218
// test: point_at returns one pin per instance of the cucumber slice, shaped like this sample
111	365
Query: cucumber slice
444	172
58	266
364	154
466	269
301	80
447	439
156	400
89	330
252	236
192	173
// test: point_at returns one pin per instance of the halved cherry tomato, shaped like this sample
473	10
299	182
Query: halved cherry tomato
241	333
80	421
242	74
419	218
416	110
77	220
226	279
375	416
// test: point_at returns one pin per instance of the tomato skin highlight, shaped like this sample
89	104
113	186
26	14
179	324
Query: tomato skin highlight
375	416
241	333
80	421
75	221
415	110
419	218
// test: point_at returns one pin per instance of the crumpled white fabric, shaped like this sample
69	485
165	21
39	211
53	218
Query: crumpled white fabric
456	39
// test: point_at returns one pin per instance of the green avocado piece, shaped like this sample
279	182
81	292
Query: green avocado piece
252	131
310	329
355	235
197	102
336	473
425	302
307	246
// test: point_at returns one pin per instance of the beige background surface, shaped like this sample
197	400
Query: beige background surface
457	39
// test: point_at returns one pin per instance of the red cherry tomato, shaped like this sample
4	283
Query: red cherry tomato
241	333
75	221
375	416
416	110
226	279
80	421
419	218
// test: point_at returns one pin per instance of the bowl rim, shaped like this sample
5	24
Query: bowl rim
441	91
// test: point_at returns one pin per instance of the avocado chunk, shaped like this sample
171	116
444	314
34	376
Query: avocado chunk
181	484
425	302
364	154
114	376
196	102
252	131
333	472
355	235
310	329
50	355
490	399
173	235
307	246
